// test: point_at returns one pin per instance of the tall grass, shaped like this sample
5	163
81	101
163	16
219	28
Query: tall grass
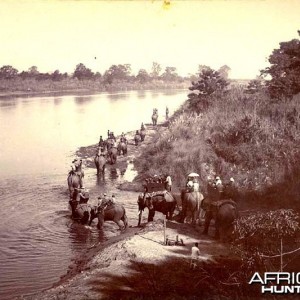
247	137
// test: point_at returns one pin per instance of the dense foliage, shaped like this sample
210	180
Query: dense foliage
284	70
262	236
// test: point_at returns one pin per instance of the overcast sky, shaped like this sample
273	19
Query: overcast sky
60	34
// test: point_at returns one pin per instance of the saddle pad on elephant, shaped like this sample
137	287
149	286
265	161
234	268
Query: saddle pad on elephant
167	196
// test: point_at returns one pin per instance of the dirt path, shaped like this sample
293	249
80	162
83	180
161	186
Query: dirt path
112	267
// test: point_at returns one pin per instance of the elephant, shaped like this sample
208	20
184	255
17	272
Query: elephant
81	211
112	152
224	212
137	138
142	134
163	202
154	119
191	205
74	179
100	161
108	211
122	148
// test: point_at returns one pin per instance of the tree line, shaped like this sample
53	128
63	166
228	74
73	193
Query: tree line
120	72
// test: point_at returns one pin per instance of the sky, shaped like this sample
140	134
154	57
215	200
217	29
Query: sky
52	34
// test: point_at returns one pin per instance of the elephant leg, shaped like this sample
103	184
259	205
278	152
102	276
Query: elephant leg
119	223
208	217
100	223
125	221
151	215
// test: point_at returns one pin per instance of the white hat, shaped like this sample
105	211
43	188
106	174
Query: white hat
231	179
218	178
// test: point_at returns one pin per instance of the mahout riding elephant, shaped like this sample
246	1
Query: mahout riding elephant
142	134
122	148
224	212
191	205
163	202
75	178
137	138
81	210
154	118
112	153
100	161
108	211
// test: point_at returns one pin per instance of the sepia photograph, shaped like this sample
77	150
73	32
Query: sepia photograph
150	149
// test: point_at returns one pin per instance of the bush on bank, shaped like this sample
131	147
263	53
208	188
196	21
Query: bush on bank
247	137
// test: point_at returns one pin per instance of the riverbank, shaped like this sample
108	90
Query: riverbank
113	269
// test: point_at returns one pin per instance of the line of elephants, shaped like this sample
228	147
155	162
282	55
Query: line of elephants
193	206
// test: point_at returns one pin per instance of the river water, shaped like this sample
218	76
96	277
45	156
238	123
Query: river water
39	137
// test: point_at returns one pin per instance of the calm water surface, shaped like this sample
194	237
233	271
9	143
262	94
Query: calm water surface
39	136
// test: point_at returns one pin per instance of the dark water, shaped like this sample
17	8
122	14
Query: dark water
39	137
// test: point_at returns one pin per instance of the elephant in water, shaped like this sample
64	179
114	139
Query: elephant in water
191	205
108	211
81	210
163	202
100	161
112	152
154	118
224	212
122	148
74	179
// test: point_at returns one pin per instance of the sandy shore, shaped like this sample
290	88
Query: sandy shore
110	270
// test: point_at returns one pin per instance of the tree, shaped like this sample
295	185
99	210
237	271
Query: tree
8	72
156	69
224	71
169	74
143	76
117	72
33	71
284	70
57	76
82	72
209	82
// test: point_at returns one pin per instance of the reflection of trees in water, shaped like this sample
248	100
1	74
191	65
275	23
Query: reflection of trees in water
141	94
57	101
8	103
117	96
82	99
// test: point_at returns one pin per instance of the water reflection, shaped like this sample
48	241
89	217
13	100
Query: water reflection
82	99
8	103
57	101
113	174
141	94
117	96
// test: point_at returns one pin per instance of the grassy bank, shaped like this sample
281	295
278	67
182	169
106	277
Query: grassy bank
247	137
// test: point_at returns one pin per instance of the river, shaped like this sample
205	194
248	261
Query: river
39	138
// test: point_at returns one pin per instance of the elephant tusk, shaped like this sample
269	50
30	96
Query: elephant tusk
140	213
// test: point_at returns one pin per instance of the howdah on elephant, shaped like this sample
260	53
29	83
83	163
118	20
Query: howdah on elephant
224	212
163	202
191	206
